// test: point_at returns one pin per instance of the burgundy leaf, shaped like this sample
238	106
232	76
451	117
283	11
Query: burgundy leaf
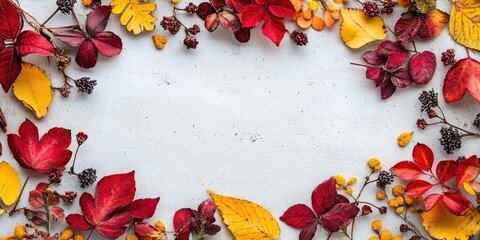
273	28
298	216
324	196
97	20
229	21
10	67
212	229
57	212
71	37
144	229
397	59
252	15
143	208
30	42
37	217
339	215
11	22
407	27
79	222
387	89
401	78
242	35
211	22
387	47
281	8
181	223
422	67
217	4
446	170
207	208
308	232
86	55
205	9
107	43
376	74
371	57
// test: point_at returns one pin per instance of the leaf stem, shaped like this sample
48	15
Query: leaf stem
14	210
76	20
72	168
90	234
47	211
51	16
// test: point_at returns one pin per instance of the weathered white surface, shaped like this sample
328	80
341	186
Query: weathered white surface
253	121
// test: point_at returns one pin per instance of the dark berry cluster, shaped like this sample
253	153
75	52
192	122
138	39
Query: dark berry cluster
366	210
429	100
87	177
384	178
383	210
476	122
194	29
55	176
451	139
448	57
69	197
421	123
300	38
171	24
388	6
191	8
190	41
85	85
371	9
65	6
404	228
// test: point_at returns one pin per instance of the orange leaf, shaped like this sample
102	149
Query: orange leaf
318	23
304	23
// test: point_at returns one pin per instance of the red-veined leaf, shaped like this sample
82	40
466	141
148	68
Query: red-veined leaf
107	43
446	170
273	28
10	67
97	20
423	156
71	37
464	74
207	208
181	223
30	42
417	188
144	229
57	212
11	22
79	222
86	55
324	196
281	8
211	22
431	201
407	170
143	208
42	155
252	15
422	67
468	170
298	216
35	197
456	203
36	217
114	226
229	21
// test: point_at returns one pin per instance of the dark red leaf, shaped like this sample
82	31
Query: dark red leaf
57	213
446	170
44	155
324	196
397	59
468	170
308	232
407	27
205	9
143	208
211	22
207	208
11	22
387	89
281	8
371	57
71	37
423	156
229	21
417	188
298	216
107	43
144	229
30	42
242	35
237	5
37	217
181	223
431	201
433	23
422	67
456	203
376	74
339	216
2	44
407	170
86	55
212	229
97	20
217	3
79	222
35	197
252	15
401	78
273	28
459	76
10	67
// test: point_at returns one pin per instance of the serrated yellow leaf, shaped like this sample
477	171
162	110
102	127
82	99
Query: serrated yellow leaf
136	15
465	23
9	185
34	89
442	224
404	139
246	220
357	29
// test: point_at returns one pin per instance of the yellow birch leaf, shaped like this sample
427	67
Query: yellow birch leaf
246	220
34	89
442	224
136	15
9	184
465	23
357	29
404	139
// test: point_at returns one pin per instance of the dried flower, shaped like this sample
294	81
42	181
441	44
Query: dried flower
476	122
451	139
339	180
374	164
69	197
66	6
171	24
431	113
87	177
376	225
194	29
55	176
85	85
366	210
371	9
65	90
300	38
398	190
388	6
384	178
383	210
380	195
428	99
191	8
190	42
404	228
67	234
448	57
421	123
21	231
81	138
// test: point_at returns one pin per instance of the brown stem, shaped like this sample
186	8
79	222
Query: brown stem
90	234
14	210
72	168
51	16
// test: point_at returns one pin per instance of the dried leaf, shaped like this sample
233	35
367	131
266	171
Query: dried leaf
357	29
34	89
425	5
404	139
465	23
438	223
245	219
136	15
9	184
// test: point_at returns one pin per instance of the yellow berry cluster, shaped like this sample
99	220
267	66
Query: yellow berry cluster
402	201
374	164
159	234
340	183
21	233
384	234
69	234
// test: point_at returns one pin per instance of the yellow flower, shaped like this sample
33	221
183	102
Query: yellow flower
306	18
340	180
131	237
78	237
400	209
380	195
385	235
398	190
21	231
86	3
400	200
352	181
376	225
374	238
159	224
349	190
374	164
159	41
176	1
67	234
393	203
396	237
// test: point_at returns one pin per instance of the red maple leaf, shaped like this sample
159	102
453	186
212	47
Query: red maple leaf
331	210
42	155
112	207
93	39
15	44
271	12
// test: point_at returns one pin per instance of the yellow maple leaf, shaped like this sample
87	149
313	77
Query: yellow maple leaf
442	224
136	15
246	220
357	29
34	89
9	185
465	23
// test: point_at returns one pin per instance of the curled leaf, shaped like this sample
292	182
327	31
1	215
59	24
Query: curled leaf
357	29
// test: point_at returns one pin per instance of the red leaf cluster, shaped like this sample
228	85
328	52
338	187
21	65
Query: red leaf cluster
43	197
200	221
112	207
465	172
93	39
463	76
15	44
330	210
42	155
215	13
271	12
427	26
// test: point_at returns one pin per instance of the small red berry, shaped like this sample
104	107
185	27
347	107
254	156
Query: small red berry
190	42
81	138
383	210
431	113
69	197
448	57
300	38
171	24
191	8
371	9
366	210
404	228
421	123
194	29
